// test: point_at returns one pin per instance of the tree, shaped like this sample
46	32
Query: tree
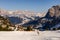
30	28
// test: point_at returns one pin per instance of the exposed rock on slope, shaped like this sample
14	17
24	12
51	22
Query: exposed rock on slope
5	24
54	12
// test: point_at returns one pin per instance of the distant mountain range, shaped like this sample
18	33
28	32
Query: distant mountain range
46	21
20	13
20	17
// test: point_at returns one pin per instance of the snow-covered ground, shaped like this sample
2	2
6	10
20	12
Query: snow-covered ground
32	35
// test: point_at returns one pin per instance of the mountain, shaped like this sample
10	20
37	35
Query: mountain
20	13
19	17
54	12
52	18
41	21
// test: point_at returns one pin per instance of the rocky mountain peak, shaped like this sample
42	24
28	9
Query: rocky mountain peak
54	11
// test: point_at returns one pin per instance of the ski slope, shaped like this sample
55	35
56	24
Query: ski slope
32	35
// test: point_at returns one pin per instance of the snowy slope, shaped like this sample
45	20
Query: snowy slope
33	35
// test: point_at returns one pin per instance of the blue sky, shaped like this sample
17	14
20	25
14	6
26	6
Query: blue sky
31	5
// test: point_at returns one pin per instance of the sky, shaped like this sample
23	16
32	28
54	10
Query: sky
30	5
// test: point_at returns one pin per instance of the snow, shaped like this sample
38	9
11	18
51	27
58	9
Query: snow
30	35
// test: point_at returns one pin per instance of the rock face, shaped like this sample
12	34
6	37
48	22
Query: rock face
52	17
54	12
